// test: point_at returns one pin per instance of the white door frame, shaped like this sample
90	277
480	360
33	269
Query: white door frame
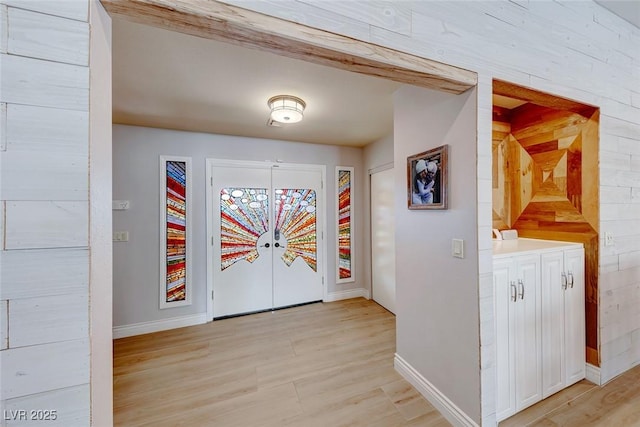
322	238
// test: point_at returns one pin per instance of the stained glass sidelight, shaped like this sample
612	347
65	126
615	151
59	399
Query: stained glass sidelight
344	224
176	231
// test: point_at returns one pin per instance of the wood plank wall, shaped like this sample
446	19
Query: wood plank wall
44	186
544	183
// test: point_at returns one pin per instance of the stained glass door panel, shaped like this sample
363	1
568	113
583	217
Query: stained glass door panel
244	218
297	276
295	225
242	251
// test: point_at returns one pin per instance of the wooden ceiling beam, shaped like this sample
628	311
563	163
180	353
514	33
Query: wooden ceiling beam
218	21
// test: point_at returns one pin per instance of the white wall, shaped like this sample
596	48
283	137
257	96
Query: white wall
44	197
437	294
136	152
378	154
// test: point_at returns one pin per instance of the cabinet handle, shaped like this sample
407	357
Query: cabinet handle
571	279
514	296
521	284
564	281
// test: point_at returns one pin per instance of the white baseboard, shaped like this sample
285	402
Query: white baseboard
592	373
351	293
447	408
158	325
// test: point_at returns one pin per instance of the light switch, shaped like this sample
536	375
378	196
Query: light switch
457	248
120	205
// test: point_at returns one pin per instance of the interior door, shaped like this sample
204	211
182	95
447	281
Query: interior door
296	235
383	253
266	236
242	251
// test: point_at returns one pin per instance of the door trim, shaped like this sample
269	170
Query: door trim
322	240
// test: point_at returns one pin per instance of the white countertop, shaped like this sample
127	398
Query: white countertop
523	245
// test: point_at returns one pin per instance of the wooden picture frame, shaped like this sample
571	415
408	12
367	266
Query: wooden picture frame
427	177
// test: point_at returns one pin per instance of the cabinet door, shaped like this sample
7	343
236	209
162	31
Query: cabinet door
504	292
528	332
554	281
574	316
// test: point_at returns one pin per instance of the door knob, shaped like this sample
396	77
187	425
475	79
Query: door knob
277	245
266	245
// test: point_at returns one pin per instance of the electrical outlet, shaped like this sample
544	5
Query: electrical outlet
120	236
608	239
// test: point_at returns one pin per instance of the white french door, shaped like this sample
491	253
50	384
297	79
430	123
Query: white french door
296	277
265	231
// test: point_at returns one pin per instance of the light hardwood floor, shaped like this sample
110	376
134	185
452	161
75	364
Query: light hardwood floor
616	404
325	364
317	365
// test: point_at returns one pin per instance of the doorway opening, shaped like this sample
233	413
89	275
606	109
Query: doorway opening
545	149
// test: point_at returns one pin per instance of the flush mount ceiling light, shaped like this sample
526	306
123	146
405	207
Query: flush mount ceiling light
286	108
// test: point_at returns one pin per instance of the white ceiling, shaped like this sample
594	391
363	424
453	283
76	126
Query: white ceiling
628	10
170	80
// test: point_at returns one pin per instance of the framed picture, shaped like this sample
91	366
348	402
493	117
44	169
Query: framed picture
427	179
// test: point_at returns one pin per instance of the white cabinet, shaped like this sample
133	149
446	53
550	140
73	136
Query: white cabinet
563	325
518	335
539	320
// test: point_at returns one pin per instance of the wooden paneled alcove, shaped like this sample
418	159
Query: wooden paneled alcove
545	177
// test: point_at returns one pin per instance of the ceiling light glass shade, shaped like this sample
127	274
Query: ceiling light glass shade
286	109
